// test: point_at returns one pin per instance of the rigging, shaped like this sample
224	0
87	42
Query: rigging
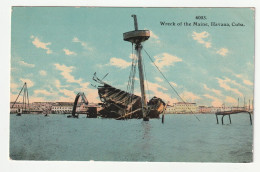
169	83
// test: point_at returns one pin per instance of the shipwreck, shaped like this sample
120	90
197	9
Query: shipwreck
120	104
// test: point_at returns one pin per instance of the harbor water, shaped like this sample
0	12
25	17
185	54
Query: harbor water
181	138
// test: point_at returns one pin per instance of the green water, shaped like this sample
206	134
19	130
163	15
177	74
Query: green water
182	138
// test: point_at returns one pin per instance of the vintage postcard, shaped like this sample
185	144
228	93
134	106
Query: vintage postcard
132	84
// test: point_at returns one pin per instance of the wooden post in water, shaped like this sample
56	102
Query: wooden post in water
250	118
229	119
163	118
164	108
217	118
222	119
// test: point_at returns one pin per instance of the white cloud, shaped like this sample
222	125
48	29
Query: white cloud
132	56
38	44
218	92
28	81
216	102
66	73
13	87
68	52
57	83
152	35
189	96
223	51
158	79
230	100
245	81
13	97
37	99
91	94
23	63
82	43
199	37
68	93
120	63
234	82
224	84
84	85
157	91
238	75
33	98
174	84
154	86
43	72
166	59
44	92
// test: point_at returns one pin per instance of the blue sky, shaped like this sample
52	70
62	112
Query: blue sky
56	50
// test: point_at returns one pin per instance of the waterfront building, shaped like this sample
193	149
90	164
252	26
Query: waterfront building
182	108
17	105
41	107
225	108
204	109
215	109
62	107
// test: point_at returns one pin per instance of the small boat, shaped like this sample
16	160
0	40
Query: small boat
19	112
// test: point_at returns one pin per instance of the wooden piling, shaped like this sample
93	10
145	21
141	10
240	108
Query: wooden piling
222	119
163	118
217	118
229	119
250	118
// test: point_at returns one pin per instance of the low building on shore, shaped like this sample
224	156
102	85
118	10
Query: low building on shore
212	109
204	109
14	107
62	107
182	108
53	107
67	107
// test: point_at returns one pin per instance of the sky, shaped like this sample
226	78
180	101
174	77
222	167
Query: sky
56	50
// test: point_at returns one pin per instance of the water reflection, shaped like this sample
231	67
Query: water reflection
146	129
146	147
146	126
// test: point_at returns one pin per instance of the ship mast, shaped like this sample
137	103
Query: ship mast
136	37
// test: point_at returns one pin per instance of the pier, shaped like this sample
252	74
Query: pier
228	113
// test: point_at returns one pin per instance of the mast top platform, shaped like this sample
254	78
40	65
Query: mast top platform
136	36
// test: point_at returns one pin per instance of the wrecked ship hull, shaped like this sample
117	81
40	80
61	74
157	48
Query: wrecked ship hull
120	104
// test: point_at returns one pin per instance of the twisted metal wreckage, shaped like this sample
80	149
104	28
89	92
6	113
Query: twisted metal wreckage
120	104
